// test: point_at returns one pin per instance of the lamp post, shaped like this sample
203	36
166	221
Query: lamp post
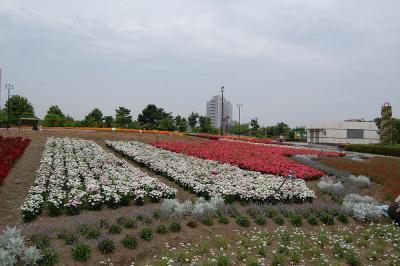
239	105
222	111
8	87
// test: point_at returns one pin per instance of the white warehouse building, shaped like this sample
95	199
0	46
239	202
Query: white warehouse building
346	132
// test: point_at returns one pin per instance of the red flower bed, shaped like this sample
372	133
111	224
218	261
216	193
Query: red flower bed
10	150
260	158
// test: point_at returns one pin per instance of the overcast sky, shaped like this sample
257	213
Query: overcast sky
295	61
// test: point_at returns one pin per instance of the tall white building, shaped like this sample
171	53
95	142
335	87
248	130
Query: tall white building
214	110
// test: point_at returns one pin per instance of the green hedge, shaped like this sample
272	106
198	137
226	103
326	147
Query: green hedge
375	149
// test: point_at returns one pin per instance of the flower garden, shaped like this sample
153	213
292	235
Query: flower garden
11	149
101	198
265	159
76	174
209	178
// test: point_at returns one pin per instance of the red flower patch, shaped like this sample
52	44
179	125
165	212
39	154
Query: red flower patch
265	159
10	151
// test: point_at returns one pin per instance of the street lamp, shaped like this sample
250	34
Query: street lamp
239	105
222	111
8	87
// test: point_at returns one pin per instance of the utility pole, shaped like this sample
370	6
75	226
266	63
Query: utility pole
239	105
222	111
8	87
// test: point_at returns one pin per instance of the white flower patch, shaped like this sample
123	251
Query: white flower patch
76	174
211	178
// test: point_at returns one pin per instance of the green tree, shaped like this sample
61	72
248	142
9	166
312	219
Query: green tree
123	119
108	121
193	120
181	123
167	123
70	122
151	117
205	124
54	117
254	125
20	107
94	118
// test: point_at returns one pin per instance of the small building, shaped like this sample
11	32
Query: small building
354	131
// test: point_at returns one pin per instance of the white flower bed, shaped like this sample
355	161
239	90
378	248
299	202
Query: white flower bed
76	174
210	178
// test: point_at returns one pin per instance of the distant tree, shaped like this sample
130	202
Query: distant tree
254	125
122	117
151	117
3	115
70	122
167	123
108	121
20	107
135	124
205	124
378	121
193	120
244	129
54	117
94	118
282	129
181	123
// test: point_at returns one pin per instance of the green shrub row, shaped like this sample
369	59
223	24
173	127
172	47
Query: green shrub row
375	149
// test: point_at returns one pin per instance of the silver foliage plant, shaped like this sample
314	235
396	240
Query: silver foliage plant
12	248
173	208
362	208
360	181
327	185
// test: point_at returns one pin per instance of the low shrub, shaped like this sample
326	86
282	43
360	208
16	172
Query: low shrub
207	221
115	229
223	220
374	149
49	257
93	233
270	212
175	227
359	181
192	224
253	212
146	234
103	223
312	220
71	239
243	221
81	252
121	220
326	218
223	260
362	208
162	229
279	220
343	217
233	212
130	223
260	220
83	228
106	246
327	185
296	220
129	241
41	241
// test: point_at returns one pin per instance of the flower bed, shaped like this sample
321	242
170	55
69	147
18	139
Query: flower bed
76	174
209	178
248	139
265	159
10	151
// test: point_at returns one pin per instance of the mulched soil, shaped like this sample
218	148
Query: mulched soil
16	185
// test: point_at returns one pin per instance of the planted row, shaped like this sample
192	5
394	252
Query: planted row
77	174
210	179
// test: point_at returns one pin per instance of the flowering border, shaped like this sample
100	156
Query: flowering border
77	174
210	179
